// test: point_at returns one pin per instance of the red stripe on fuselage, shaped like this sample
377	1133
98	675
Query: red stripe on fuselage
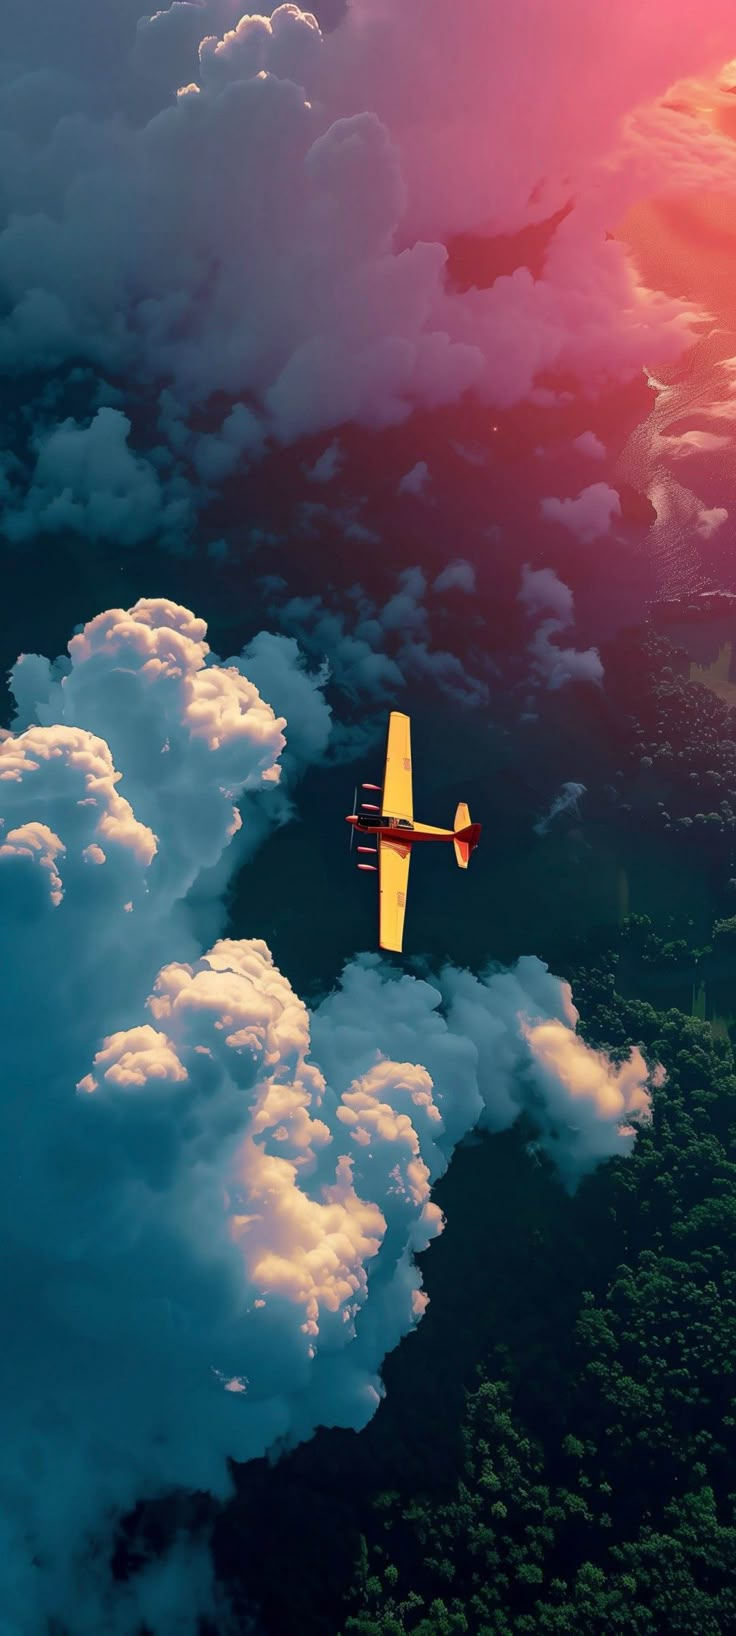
410	836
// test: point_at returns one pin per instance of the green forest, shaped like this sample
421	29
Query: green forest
556	1450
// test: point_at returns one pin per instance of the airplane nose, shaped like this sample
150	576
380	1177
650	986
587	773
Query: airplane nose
350	818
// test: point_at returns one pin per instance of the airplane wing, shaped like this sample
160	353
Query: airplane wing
394	858
397	786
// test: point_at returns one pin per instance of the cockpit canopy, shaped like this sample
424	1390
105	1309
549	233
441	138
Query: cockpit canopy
368	820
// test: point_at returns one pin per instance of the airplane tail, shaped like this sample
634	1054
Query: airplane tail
466	836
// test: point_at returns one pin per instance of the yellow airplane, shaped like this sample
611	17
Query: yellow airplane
392	824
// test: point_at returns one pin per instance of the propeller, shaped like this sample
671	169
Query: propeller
352	826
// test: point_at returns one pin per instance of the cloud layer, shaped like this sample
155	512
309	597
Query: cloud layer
371	650
245	224
228	1193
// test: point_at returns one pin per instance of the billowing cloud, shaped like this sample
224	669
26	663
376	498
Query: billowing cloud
415	481
583	73
228	1193
588	515
459	575
244	217
556	665
192	735
373	650
277	667
543	592
328	464
296	299
568	1076
493	1038
709	520
239	439
280	671
590	445
87	480
202	742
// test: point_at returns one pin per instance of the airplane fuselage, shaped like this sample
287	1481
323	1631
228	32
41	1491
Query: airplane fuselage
391	829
